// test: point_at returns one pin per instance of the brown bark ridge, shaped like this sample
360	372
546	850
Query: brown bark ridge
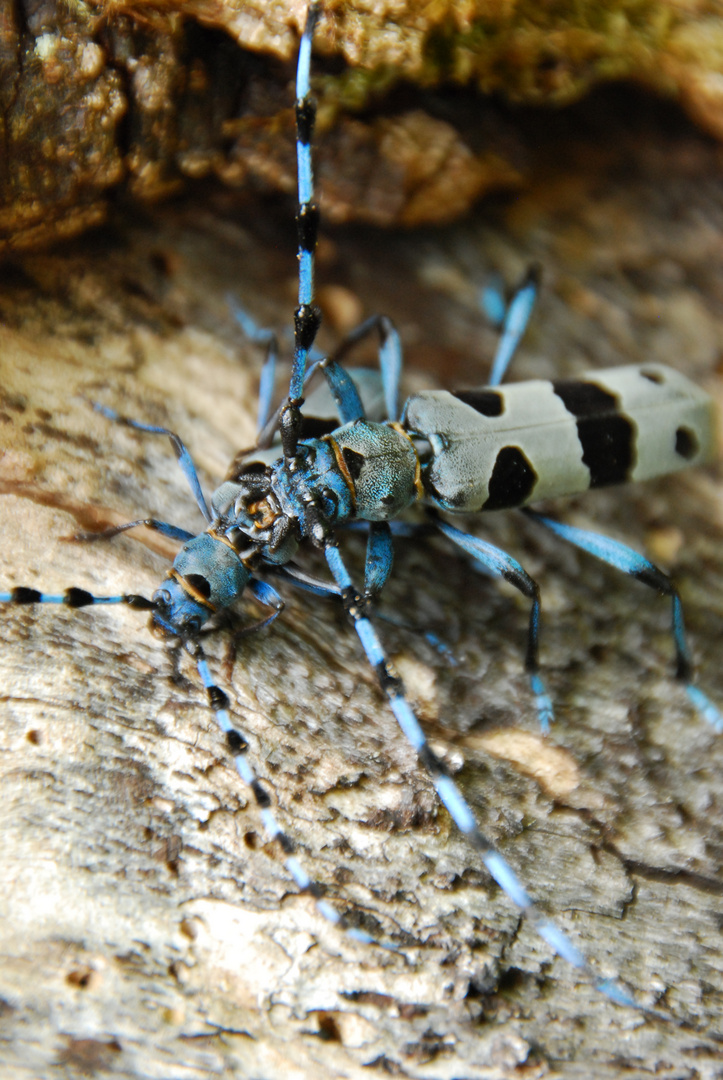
148	929
119	99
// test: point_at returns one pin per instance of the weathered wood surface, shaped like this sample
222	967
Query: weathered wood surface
147	929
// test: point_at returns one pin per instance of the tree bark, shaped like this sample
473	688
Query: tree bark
149	927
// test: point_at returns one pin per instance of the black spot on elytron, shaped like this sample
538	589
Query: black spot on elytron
585	399
354	461
652	376
487	402
512	480
607	436
686	444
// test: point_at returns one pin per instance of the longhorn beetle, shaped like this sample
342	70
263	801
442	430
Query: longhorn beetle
453	454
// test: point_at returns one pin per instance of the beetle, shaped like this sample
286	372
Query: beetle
186	602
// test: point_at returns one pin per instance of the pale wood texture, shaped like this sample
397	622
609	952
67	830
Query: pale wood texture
148	930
